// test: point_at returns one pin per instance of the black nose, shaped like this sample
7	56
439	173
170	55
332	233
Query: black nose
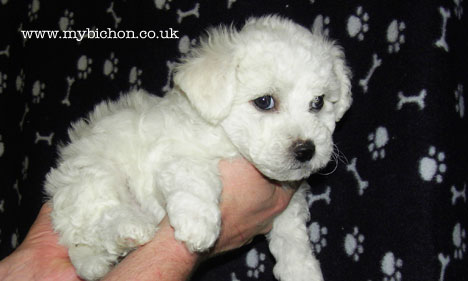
304	150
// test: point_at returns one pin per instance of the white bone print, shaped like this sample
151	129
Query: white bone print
116	18
193	12
364	83
362	184
441	42
416	99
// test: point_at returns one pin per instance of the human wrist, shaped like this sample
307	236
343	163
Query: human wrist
163	258
178	254
17	266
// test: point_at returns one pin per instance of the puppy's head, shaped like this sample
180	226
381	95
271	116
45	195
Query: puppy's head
277	90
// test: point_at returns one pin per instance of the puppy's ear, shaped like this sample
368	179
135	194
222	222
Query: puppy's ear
207	75
342	101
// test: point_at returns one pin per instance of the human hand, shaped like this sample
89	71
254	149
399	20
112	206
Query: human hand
249	204
39	257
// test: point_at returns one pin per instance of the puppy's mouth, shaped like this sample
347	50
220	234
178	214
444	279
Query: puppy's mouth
316	164
300	160
295	171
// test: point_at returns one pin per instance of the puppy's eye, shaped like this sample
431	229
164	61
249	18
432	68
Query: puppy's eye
316	104
265	102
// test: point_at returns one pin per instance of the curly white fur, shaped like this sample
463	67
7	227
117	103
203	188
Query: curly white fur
135	160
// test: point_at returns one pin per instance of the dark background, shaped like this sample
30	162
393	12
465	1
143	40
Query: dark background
398	228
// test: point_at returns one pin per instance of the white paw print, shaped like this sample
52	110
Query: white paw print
458	9
3	84
357	24
14	239
83	66
460	105
185	44
110	66
33	9
432	166
66	21
321	23
2	146
254	261
458	238
378	140
391	266
395	36
38	91
317	236
134	78
163	4
353	244
20	81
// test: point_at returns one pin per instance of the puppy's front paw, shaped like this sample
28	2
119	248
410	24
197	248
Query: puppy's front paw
198	227
197	232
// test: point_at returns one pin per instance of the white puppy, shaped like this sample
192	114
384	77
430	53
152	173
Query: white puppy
270	92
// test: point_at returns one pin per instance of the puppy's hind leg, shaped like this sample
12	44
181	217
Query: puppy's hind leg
128	227
91	263
96	220
120	230
289	243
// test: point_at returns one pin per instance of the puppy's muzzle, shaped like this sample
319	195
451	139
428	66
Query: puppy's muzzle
304	150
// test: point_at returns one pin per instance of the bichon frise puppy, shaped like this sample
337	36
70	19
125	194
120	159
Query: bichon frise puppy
270	93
